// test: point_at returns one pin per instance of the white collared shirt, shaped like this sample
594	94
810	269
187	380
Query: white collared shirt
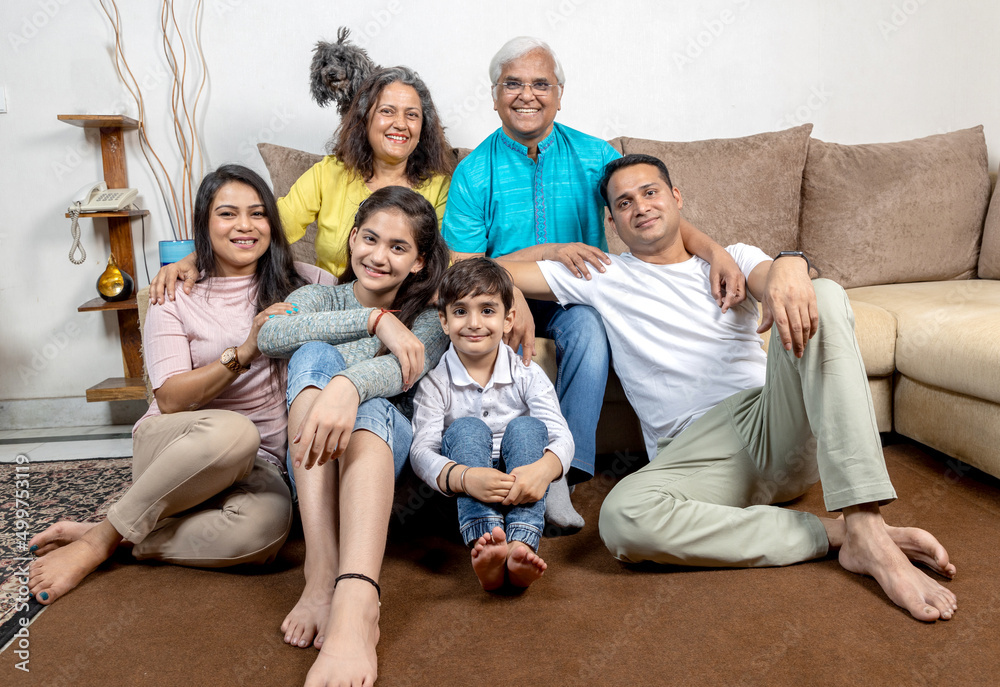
448	393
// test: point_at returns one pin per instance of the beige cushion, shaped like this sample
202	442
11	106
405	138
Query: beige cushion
958	425
285	166
142	301
736	190
896	212
948	333
989	256
875	329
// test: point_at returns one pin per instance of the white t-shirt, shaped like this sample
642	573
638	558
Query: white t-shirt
675	352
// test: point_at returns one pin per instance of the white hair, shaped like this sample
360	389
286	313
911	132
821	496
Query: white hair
518	47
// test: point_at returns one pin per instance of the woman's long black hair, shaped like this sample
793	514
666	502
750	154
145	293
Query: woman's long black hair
416	292
276	276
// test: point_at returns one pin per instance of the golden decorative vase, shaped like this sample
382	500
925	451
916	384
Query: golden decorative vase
114	284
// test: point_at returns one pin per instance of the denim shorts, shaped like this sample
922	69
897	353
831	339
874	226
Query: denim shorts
315	364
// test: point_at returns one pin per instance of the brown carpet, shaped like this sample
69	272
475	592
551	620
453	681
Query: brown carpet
589	621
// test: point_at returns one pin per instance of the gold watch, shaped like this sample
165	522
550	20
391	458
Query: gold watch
232	361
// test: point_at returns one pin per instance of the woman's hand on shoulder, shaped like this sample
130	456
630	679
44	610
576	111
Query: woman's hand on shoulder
165	281
326	429
403	343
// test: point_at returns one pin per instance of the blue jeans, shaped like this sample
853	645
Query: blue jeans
468	441
315	364
582	358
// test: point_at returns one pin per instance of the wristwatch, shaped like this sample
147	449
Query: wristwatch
232	361
795	254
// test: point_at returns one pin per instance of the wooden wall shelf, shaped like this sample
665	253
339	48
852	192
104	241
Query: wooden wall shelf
118	389
98	121
120	213
99	304
131	385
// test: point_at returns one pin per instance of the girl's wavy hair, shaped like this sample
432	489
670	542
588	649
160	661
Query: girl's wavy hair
276	276
417	291
350	141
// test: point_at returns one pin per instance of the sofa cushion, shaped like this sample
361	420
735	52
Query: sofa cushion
989	256
958	425
285	166
885	213
875	329
948	333
736	190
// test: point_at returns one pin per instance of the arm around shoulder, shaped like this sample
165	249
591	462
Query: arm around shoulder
528	277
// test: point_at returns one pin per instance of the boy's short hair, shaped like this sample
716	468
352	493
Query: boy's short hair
475	277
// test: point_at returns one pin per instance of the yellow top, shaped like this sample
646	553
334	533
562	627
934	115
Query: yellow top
330	195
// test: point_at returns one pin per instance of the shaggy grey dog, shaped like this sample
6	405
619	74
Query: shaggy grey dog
337	71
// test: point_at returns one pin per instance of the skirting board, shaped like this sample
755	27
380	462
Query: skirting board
74	411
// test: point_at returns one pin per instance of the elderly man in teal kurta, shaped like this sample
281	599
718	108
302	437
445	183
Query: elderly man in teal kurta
530	190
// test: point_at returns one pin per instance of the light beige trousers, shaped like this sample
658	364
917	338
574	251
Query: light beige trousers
200	495
704	500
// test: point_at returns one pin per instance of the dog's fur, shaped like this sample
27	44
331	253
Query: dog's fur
337	71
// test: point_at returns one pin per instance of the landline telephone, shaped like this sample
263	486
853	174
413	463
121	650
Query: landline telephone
95	197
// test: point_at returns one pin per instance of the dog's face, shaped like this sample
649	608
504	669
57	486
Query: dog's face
337	71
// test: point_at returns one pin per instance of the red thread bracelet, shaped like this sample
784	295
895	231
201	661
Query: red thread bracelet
383	311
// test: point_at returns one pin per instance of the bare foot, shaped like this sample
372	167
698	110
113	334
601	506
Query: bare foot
64	568
869	550
305	622
60	534
923	547
524	566
348	654
488	558
918	545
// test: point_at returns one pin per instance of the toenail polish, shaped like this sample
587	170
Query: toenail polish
34	547
45	596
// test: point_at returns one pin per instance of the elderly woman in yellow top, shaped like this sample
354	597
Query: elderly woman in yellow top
390	136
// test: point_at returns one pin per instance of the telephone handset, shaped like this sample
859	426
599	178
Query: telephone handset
95	198
98	198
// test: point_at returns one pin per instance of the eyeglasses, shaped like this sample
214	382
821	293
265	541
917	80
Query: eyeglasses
538	87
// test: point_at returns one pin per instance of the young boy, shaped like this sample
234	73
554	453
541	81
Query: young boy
488	429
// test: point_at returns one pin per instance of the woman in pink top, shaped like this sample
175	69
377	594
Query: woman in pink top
209	489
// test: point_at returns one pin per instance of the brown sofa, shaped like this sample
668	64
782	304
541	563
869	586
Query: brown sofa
899	225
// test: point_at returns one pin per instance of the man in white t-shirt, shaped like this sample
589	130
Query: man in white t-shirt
730	429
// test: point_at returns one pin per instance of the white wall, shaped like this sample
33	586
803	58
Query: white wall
861	70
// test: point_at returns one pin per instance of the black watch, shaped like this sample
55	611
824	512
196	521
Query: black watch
795	254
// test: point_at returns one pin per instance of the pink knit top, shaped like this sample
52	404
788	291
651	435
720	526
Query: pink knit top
193	331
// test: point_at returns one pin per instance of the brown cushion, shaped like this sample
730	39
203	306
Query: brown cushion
285	166
736	190
989	256
885	213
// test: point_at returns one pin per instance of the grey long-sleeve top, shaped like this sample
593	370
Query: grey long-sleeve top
333	315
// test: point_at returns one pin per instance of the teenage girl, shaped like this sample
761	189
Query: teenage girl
352	347
209	488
